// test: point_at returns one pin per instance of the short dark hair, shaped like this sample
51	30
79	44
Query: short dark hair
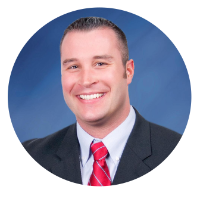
90	23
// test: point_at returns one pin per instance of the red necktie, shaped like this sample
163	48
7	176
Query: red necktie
100	175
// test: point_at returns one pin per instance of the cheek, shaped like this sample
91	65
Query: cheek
113	77
67	83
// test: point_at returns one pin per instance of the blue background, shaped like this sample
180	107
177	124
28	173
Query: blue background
160	90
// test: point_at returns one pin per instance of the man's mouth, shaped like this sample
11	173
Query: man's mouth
91	97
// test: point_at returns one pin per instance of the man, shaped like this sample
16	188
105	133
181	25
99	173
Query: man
111	143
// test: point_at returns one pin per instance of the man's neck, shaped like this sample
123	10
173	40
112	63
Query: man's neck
102	128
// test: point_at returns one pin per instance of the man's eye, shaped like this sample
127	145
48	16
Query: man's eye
100	64
73	67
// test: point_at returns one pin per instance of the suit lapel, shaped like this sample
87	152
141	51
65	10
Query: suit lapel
138	148
68	167
131	165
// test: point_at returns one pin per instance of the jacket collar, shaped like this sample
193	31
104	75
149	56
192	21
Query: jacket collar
68	152
131	165
138	148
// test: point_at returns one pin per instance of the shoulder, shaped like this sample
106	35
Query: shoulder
163	142
49	141
43	150
151	142
163	136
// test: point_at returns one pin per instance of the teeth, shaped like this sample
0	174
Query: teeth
90	97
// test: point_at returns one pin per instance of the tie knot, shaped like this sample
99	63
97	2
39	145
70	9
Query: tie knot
99	151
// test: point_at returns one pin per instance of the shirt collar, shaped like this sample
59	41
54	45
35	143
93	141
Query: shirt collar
114	141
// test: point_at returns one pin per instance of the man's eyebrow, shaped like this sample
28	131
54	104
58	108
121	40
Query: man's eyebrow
106	57
70	60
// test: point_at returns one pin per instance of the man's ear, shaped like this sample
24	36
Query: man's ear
129	71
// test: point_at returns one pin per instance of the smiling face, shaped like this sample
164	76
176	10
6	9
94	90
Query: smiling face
93	82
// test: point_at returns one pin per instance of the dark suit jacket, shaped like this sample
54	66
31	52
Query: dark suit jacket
148	145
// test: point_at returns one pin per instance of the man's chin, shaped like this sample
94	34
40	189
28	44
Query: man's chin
93	120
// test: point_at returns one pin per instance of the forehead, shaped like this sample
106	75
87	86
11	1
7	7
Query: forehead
96	40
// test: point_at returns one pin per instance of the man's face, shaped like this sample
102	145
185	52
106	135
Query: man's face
93	80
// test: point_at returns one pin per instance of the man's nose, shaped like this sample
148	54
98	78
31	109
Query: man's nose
87	78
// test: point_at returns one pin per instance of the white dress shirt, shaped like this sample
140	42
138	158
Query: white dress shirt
114	142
